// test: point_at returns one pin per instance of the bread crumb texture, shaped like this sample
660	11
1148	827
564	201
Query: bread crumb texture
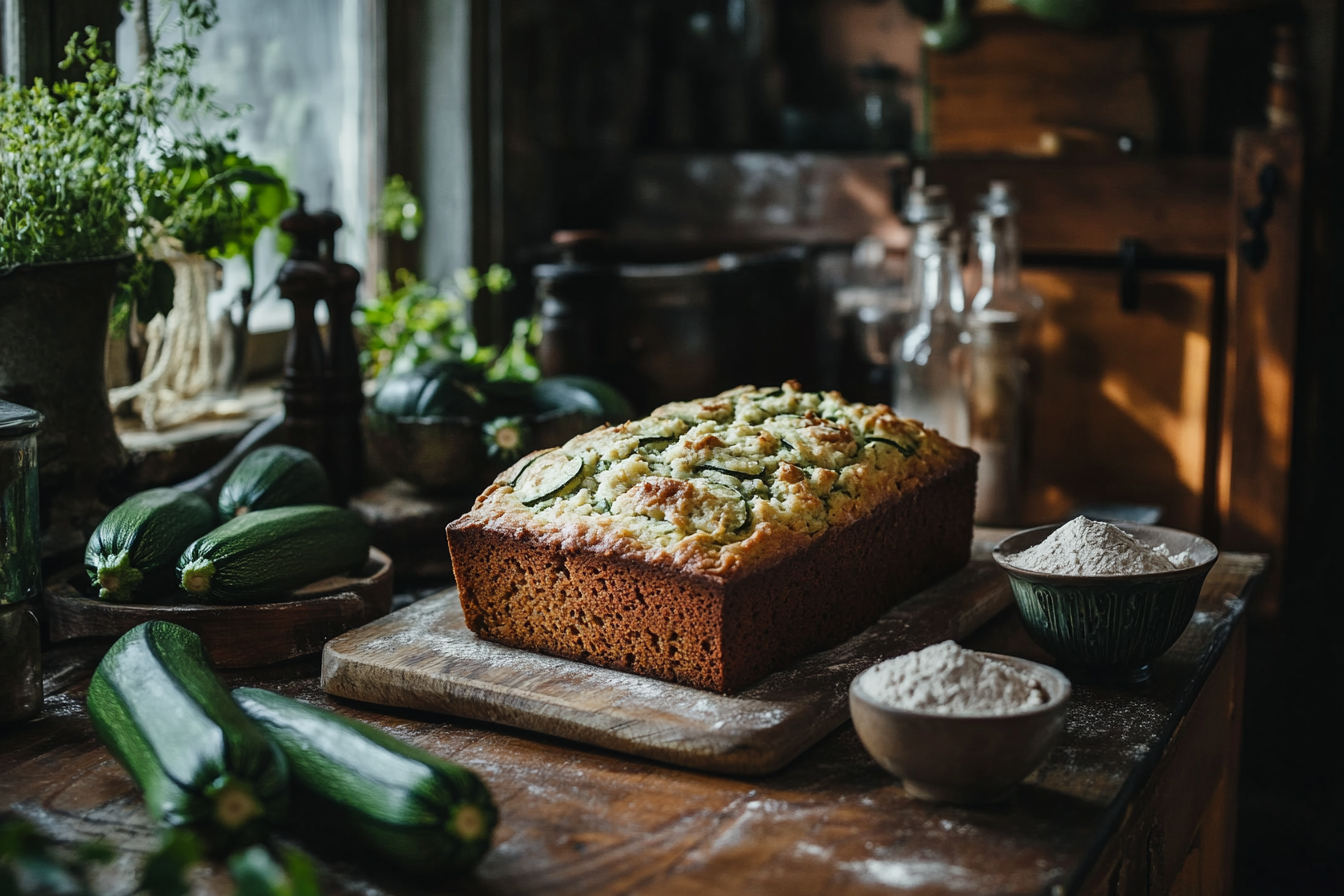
716	486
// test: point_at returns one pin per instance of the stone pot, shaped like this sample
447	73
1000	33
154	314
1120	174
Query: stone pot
53	335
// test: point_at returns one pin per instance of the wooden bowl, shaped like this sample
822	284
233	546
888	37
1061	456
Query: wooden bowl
236	636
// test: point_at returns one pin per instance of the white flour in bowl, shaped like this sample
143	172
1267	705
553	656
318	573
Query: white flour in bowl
950	680
1083	547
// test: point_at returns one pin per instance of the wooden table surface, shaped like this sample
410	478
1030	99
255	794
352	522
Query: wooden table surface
1138	796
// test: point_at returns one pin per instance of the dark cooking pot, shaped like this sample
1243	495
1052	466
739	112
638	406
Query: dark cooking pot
671	330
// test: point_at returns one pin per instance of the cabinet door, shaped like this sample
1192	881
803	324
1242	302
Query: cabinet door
1122	407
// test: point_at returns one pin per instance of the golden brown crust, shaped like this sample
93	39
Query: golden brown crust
721	486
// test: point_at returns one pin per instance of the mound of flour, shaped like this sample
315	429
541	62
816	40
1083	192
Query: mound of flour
950	680
1083	547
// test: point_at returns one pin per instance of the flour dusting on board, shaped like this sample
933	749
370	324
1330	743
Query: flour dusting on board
950	680
1084	547
917	874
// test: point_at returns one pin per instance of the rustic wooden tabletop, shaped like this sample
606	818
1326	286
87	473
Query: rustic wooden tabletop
1141	777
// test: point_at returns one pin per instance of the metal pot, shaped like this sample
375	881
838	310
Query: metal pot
667	331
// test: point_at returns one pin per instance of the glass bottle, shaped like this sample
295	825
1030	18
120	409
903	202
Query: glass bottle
925	203
1003	321
1000	202
929	358
997	268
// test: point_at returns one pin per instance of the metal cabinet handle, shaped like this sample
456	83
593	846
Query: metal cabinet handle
1132	255
1255	251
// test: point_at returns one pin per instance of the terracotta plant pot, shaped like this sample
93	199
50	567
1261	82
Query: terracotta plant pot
53	334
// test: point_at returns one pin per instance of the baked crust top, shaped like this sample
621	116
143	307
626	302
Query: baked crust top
717	486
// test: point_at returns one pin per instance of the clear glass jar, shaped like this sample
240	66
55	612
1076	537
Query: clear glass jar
929	360
20	565
872	310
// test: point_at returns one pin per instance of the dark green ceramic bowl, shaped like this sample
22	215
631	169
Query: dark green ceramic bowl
1108	628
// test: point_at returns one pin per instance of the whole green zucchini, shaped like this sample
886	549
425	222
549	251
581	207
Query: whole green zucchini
275	476
201	762
136	546
268	552
421	812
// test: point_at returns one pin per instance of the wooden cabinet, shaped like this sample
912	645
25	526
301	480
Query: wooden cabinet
1128	400
1123	397
1185	400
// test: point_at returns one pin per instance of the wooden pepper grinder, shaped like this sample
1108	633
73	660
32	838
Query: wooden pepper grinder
344	383
305	280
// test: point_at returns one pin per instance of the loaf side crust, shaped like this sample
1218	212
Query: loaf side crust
704	630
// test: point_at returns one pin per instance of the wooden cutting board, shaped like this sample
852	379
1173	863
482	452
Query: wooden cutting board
424	657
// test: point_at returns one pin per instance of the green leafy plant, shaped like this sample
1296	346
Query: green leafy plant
33	864
413	322
216	201
399	210
417	321
213	201
104	166
70	162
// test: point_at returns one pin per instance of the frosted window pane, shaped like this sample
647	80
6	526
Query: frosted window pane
300	65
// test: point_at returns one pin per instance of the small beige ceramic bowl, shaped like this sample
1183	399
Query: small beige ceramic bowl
962	758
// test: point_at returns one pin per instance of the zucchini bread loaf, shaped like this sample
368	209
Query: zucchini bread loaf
716	540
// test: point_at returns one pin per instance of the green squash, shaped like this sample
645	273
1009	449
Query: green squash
581	393
436	389
201	762
415	810
135	549
275	476
266	553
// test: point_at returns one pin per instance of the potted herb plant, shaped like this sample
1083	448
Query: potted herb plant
90	182
214	204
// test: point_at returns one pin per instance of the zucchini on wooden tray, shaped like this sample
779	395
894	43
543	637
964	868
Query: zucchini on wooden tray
230	768
272	531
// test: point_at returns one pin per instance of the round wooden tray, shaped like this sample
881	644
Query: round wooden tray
236	636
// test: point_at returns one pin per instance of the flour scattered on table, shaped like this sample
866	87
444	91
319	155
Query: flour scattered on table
1084	547
949	680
